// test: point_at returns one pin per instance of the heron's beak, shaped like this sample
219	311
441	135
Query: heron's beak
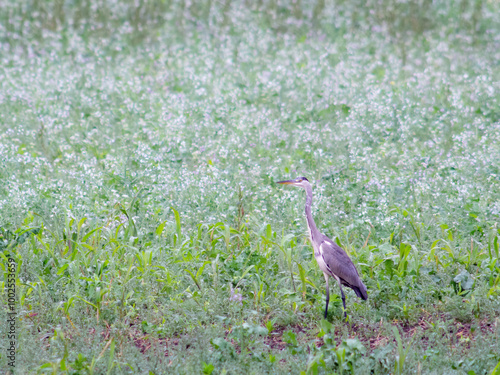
286	182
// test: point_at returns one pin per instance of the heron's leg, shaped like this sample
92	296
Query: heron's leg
327	294
343	297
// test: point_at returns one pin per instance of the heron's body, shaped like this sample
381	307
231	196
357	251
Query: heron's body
331	258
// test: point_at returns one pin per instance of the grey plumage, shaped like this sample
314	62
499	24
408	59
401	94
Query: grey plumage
331	258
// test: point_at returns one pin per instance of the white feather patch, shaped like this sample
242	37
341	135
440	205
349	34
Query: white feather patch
321	261
321	249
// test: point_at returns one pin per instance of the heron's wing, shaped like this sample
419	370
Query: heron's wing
339	263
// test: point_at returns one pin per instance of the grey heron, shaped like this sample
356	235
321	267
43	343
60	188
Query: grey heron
331	258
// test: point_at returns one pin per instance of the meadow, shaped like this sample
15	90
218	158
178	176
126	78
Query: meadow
140	144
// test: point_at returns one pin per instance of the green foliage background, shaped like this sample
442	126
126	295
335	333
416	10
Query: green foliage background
139	148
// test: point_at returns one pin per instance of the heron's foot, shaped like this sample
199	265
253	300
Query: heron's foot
345	316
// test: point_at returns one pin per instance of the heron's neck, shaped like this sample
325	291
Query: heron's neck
310	221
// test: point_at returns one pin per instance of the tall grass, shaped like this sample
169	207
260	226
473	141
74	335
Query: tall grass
140	145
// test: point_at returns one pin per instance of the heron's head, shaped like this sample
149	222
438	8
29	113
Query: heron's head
299	181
